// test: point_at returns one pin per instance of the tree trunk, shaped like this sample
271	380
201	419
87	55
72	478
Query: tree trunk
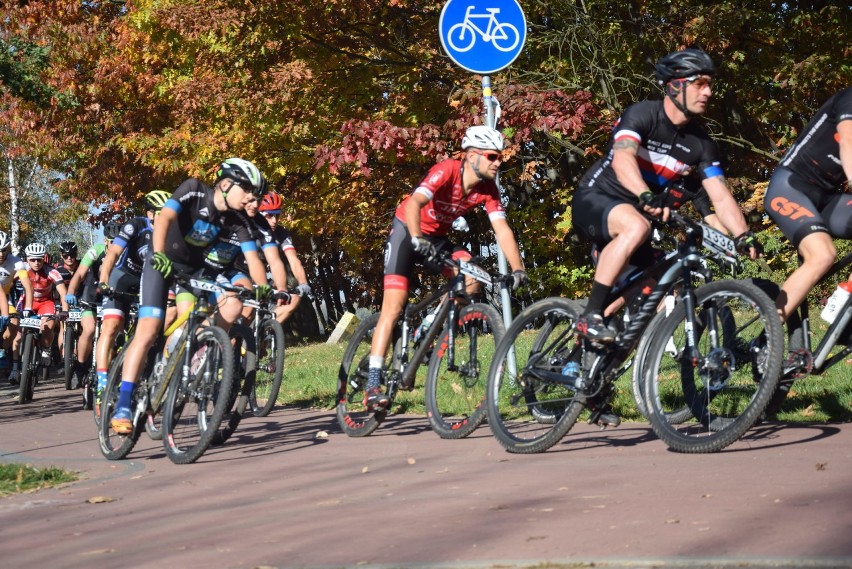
14	227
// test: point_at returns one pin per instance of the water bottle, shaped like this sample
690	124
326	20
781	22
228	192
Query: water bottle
424	326
836	302
571	370
174	340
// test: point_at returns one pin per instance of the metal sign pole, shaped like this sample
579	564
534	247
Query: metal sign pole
502	264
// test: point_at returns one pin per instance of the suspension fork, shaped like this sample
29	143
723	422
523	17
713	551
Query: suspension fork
691	323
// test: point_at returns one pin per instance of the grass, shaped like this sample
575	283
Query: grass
16	478
310	380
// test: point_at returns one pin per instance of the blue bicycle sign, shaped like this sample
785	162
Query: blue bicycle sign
483	36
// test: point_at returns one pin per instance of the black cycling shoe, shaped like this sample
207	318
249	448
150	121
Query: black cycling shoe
375	398
604	417
593	328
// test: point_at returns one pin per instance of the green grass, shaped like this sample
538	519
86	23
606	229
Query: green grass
16	478
310	380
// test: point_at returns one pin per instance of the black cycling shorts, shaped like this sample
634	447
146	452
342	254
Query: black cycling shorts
589	210
400	255
120	281
801	208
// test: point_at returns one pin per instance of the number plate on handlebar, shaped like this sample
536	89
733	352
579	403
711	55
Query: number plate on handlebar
31	322
74	315
718	241
205	285
474	271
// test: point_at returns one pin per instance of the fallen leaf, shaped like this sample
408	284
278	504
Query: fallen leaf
322	435
100	500
365	470
821	465
412	461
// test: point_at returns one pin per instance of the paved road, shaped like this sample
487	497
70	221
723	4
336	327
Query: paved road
278	495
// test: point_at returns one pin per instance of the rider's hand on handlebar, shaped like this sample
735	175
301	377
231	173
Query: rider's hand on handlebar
648	203
262	292
103	290
71	299
303	289
747	243
423	247
519	279
162	264
26	312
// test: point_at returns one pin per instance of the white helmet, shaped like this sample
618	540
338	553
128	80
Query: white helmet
482	137
244	173
5	242
35	251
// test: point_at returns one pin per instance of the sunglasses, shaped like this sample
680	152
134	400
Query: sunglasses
491	156
702	82
40	260
68	256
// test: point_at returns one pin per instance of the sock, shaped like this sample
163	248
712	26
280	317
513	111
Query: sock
600	292
102	379
125	395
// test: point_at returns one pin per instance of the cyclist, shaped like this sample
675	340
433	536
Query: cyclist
419	231
44	281
654	144
188	230
11	268
68	253
270	209
806	199
121	271
87	275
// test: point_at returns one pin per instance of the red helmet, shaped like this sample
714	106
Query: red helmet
271	203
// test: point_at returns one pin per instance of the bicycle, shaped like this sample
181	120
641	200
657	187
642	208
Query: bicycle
559	375
33	369
269	339
185	373
455	384
503	36
90	380
69	345
803	359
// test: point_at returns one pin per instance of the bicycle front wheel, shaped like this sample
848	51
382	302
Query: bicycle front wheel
69	347
352	415
29	367
455	396
531	403
245	365
197	402
736	328
270	368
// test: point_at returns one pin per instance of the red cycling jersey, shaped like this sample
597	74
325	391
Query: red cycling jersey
43	282
443	186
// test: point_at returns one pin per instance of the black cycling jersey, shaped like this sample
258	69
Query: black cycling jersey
815	156
666	152
134	237
261	235
65	273
195	239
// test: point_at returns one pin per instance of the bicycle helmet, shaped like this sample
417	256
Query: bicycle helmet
111	230
482	137
156	200
271	203
35	251
68	248
5	242
243	173
685	63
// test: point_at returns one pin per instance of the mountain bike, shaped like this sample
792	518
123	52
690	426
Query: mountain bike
456	336
803	358
269	339
559	375
90	380
69	345
33	369
187	376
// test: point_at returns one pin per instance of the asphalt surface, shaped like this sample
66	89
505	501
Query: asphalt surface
282	494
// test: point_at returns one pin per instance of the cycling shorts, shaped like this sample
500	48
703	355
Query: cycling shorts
590	210
154	290
124	282
400	256
44	307
801	208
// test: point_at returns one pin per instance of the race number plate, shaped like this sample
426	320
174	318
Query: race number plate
31	322
74	315
205	285
474	271
719	242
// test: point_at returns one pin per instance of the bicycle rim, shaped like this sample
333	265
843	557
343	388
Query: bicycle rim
196	404
455	399
245	371
29	359
113	445
531	409
737	329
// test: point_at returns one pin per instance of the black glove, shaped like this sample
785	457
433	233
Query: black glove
62	315
103	289
646	198
304	289
26	312
423	246
262	292
519	279
747	241
162	264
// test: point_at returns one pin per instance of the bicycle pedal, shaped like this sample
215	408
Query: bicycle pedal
604	420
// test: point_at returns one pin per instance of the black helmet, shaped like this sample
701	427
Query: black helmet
686	63
68	248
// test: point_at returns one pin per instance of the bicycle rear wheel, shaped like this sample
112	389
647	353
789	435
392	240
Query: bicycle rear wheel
270	368
455	399
113	445
352	415
195	404
716	383
531	409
